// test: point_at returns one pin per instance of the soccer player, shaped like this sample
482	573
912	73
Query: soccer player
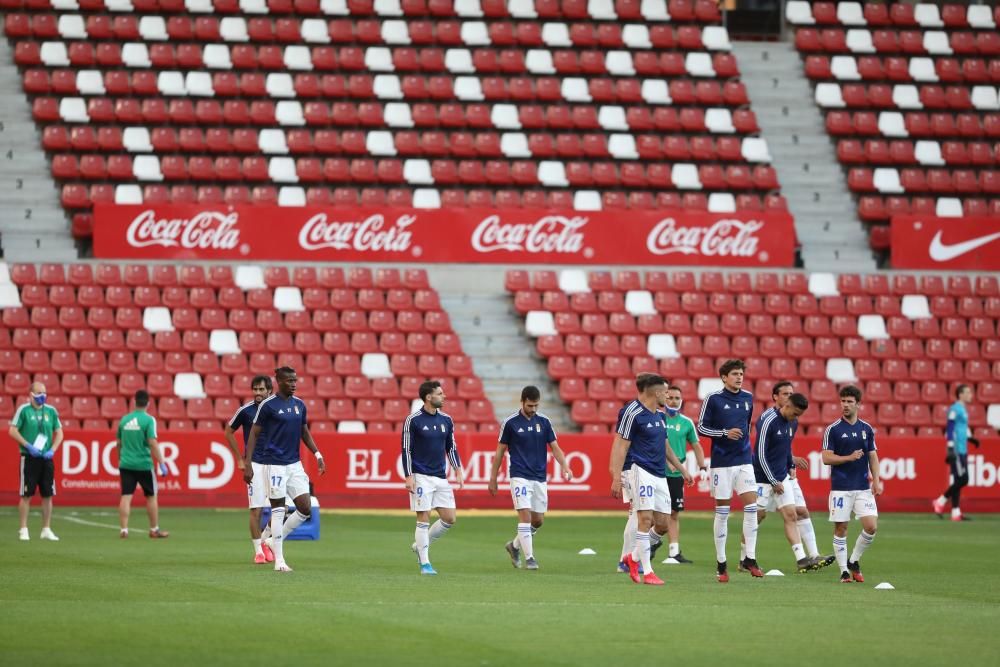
957	456
772	466
625	473
681	433
780	394
725	418
261	388
279	426
429	439
527	435
37	429
642	434
137	449
849	448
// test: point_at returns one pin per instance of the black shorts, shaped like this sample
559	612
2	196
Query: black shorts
676	487
960	467
37	473
143	478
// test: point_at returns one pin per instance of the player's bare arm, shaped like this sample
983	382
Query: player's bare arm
877	486
227	433
410	483
495	471
311	446
560	458
251	444
831	459
618	451
676	464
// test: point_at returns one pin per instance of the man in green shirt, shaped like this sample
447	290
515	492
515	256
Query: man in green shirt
681	433
36	428
137	447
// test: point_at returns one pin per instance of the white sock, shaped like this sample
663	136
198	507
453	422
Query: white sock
152	530
628	537
863	542
743	551
655	537
257	549
956	512
266	533
799	552
750	529
423	541
675	548
277	534
293	522
721	532
438	529
942	500
808	536
524	537
641	552
840	551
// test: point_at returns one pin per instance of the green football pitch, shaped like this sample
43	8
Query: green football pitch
356	597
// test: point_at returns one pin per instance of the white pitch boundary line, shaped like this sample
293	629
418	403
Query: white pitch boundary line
87	523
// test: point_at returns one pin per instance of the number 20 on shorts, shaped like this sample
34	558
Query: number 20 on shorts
646	491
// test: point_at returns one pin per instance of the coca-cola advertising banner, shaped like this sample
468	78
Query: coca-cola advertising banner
443	235
927	242
365	471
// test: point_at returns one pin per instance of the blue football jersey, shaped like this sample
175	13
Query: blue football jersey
427	440
723	410
647	433
243	418
527	443
843	439
772	454
281	421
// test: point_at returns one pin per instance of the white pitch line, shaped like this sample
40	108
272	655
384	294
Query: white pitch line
87	523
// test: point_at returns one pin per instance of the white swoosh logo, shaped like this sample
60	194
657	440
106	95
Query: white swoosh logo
940	252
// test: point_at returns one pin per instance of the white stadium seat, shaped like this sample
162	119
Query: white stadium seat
147	168
840	370
685	176
859	40
573	281
128	194
249	277
552	173
890	124
915	307
188	386
587	200
829	96
375	365
823	284
288	299
662	346
886	180
556	35
291	196
427	198
845	68
380	142
156	319
850	13
719	120
540	323
417	171
928	152
798	12
223	341
282	170
639	302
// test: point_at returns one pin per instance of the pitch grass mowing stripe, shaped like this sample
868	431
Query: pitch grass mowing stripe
356	598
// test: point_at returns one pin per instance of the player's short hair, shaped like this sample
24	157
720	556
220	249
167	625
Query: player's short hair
674	387
799	401
731	365
781	385
261	379
959	389
141	398
530	393
283	372
653	380
640	380
427	388
850	391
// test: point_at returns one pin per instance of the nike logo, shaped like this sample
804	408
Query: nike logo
940	252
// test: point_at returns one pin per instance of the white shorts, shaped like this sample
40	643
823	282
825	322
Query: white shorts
626	477
431	493
528	494
257	488
733	478
769	501
842	503
290	480
650	492
800	500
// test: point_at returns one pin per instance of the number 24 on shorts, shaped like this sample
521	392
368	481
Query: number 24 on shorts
520	491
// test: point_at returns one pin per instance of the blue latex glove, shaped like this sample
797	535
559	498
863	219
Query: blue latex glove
49	454
33	451
164	470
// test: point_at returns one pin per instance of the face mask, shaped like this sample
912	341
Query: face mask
39	398
673	411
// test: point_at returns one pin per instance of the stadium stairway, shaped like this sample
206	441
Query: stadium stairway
493	336
32	221
826	221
